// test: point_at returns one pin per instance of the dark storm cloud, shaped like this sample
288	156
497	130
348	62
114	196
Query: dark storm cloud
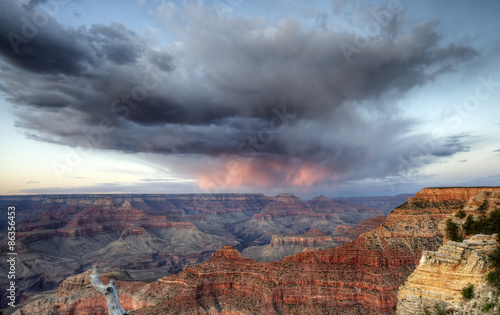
452	145
41	45
283	93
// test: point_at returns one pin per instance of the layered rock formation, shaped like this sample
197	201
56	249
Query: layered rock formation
150	236
346	211
441	275
344	232
446	197
383	203
283	245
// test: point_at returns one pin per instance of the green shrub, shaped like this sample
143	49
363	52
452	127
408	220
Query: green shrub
486	307
483	206
495	258
484	224
468	291
494	278
452	231
439	310
494	221
460	214
468	225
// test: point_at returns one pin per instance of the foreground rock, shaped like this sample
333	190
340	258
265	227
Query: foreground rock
75	295
441	275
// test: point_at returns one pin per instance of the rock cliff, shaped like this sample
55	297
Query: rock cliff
441	275
446	197
283	245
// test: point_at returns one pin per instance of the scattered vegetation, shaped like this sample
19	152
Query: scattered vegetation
440	310
495	258
483	225
468	291
460	214
483	206
486	307
452	231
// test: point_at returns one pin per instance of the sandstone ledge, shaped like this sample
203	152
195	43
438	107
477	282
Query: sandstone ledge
441	275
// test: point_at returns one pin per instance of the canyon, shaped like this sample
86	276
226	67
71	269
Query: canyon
360	277
283	245
151	236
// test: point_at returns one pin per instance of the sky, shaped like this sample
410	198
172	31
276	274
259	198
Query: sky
333	97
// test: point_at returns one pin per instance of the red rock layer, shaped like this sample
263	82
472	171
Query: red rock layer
75	295
102	217
446	194
361	277
363	226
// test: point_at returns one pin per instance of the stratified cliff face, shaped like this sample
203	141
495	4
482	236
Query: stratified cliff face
352	233
383	203
283	245
446	197
148	235
441	275
347	211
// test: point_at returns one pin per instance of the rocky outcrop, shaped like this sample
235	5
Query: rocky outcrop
441	275
452	197
75	295
283	245
489	199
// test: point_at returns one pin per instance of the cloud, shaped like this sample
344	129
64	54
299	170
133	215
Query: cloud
278	103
